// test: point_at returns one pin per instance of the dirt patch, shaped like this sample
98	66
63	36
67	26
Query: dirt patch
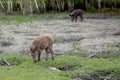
117	33
91	35
4	43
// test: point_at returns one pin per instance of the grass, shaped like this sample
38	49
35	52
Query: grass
72	66
20	19
24	69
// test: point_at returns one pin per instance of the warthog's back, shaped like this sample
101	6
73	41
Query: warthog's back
43	41
77	12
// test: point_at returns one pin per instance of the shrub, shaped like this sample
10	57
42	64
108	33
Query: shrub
91	9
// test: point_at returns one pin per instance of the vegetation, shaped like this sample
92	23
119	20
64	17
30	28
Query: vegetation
69	67
64	67
40	6
17	19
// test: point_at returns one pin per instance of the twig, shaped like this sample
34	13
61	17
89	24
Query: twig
92	56
6	61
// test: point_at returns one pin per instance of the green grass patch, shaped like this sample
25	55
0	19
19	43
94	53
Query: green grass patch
23	68
17	19
99	69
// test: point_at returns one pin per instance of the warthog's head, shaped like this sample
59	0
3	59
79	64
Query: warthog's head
34	52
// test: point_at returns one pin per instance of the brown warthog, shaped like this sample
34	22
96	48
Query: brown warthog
39	44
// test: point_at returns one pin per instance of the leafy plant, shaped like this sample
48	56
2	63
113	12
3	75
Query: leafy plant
91	9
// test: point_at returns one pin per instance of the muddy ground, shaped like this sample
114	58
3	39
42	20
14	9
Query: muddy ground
92	35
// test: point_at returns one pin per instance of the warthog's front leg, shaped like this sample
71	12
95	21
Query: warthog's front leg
52	53
47	52
39	55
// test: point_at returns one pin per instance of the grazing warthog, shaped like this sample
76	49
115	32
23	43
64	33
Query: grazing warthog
39	44
76	13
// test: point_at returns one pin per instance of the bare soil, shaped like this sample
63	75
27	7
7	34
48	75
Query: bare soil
92	35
